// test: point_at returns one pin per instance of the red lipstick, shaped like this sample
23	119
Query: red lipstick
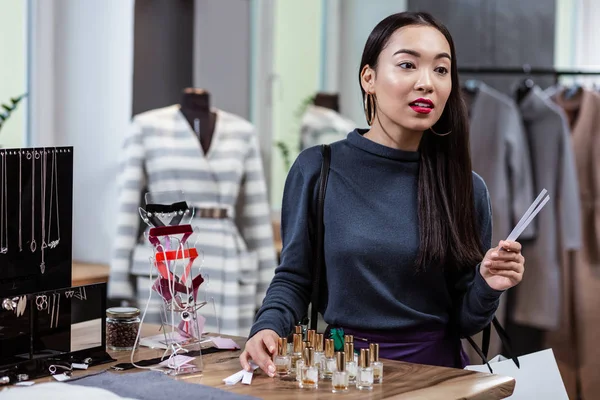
422	106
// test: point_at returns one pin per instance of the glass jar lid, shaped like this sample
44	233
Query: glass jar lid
122	312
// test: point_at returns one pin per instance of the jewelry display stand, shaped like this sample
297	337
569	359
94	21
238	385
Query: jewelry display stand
45	324
175	277
49	332
36	212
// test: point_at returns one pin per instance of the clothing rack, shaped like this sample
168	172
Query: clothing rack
526	70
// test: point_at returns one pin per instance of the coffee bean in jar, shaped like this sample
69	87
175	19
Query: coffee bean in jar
122	324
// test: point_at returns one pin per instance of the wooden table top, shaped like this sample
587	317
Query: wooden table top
401	380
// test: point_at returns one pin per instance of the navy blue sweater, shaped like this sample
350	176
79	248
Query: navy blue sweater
371	243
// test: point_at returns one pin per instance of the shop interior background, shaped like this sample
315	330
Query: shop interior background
88	66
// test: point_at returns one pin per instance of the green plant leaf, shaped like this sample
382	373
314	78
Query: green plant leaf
7	108
16	100
3	117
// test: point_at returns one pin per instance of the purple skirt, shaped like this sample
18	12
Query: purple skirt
419	347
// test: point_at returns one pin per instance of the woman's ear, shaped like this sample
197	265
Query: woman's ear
367	79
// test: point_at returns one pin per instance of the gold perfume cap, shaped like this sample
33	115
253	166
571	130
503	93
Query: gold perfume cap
348	339
305	345
309	356
297	343
329	348
374	349
282	346
311	337
340	360
319	346
349	349
298	329
364	359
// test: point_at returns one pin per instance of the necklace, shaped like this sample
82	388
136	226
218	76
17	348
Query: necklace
33	245
54	178
3	210
20	196
43	207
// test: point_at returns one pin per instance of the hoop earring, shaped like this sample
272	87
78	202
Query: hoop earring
369	108
439	134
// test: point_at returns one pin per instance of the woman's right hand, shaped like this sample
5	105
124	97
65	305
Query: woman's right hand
260	348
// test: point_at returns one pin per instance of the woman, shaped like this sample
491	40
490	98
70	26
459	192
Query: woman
407	222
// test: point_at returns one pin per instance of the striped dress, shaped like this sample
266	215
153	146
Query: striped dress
163	153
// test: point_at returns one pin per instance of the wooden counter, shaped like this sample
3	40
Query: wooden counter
401	380
86	274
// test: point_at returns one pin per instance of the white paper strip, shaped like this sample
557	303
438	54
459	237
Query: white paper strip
235	378
247	379
531	212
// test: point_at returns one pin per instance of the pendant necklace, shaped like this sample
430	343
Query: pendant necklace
3	210
54	178
20	197
43	207
33	245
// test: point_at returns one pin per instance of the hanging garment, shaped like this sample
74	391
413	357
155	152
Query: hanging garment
163	153
500	155
538	296
321	125
582	111
581	277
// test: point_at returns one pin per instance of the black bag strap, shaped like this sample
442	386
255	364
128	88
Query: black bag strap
485	343
319	253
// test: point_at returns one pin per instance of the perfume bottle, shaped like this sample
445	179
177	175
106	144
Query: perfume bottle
330	362
300	362
375	363
311	337
364	378
340	375
310	373
283	362
319	353
350	339
350	363
296	350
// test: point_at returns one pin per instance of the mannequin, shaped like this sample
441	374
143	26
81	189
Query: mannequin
195	105
327	100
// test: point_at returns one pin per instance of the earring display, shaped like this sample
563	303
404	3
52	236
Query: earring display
55	327
178	279
32	221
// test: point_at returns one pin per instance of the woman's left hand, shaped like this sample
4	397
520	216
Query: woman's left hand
503	266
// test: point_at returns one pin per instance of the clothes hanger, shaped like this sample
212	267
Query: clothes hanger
525	85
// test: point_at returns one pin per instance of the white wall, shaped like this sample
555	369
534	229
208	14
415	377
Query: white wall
85	50
13	69
359	17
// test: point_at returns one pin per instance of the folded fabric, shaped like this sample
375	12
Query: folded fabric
58	390
154	385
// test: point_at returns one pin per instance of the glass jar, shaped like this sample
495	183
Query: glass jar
122	325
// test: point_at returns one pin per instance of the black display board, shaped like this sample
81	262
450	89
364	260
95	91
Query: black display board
54	327
36	203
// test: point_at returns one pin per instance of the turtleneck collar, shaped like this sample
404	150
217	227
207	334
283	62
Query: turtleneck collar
357	139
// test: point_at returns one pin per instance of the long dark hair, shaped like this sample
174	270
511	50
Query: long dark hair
449	231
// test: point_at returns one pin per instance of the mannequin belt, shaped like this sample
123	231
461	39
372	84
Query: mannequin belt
213	213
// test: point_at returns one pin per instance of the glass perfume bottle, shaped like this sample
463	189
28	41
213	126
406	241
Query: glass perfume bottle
375	363
310	373
311	337
350	339
282	361
319	353
340	375
350	363
296	350
329	361
300	362
364	378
